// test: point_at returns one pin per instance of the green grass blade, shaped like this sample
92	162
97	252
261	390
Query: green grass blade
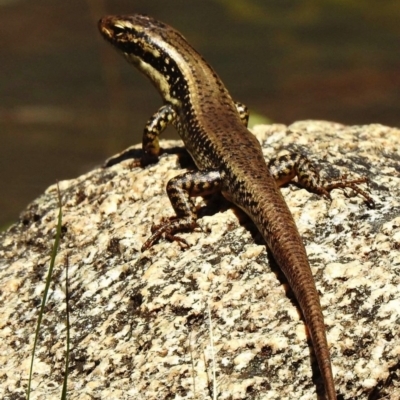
64	389
46	289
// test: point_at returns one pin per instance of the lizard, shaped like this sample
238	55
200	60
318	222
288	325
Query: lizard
228	158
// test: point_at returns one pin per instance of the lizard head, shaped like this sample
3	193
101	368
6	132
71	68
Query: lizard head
153	47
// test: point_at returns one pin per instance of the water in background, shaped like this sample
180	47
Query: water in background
68	101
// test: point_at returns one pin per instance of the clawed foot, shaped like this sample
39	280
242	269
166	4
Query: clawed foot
167	227
343	183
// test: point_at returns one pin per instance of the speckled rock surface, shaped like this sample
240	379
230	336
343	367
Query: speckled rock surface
139	321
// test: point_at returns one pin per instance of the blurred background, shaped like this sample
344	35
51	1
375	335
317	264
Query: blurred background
68	100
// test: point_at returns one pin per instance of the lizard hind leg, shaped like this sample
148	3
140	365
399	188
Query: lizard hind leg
285	168
180	190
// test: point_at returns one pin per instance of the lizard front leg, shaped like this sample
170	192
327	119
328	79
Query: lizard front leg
180	190
243	112
155	126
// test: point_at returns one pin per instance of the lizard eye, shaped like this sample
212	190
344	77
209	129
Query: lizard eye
118	31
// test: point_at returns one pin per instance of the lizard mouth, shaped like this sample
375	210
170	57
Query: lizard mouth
104	28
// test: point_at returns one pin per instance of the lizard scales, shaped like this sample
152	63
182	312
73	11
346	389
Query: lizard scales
229	158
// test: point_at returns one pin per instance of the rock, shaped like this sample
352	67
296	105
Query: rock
140	326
